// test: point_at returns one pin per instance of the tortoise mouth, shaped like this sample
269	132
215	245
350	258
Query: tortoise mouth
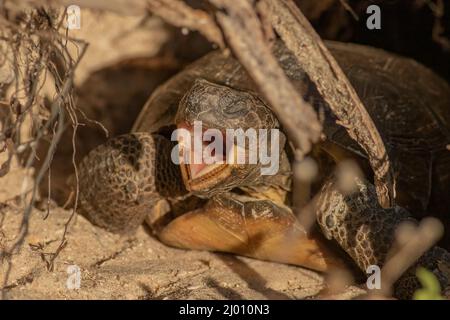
197	173
209	177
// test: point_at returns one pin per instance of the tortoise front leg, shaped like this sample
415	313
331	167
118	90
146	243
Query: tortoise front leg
366	231
123	179
250	227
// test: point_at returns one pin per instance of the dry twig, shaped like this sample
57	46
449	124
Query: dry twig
32	40
333	85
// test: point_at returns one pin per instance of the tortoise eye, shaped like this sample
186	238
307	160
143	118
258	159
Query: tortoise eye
236	109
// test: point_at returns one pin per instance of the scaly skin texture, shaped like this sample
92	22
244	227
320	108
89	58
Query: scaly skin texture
221	107
252	227
366	232
121	181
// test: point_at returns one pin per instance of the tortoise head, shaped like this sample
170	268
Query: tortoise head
227	136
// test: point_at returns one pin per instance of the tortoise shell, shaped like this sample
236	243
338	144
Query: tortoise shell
408	103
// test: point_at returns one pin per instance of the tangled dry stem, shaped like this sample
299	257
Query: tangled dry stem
35	45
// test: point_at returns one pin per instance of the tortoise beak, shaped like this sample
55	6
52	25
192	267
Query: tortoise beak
206	180
200	176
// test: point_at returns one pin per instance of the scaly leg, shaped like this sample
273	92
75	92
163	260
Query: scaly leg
366	232
250	227
123	179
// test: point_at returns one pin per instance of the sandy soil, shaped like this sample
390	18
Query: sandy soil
137	267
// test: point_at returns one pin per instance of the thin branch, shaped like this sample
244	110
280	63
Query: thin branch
422	239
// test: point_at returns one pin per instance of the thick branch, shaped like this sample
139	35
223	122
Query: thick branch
180	14
244	35
175	12
299	36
